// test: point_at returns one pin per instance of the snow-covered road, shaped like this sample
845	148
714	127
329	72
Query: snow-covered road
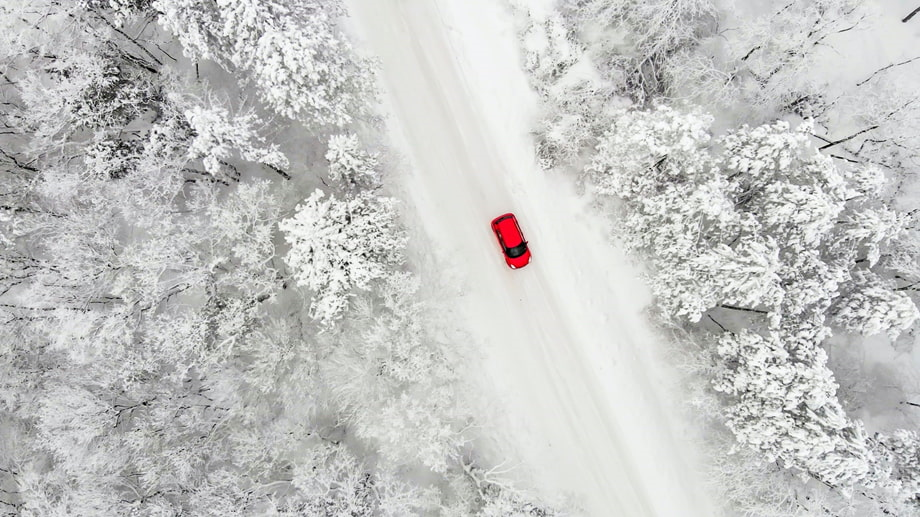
568	353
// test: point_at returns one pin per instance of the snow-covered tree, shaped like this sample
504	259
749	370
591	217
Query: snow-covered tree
902	448
745	275
661	143
759	63
575	113
350	164
54	493
341	245
483	492
396	380
119	6
413	426
784	403
757	219
300	62
217	135
550	47
72	422
872	307
655	29
877	123
81	91
874	228
335	482
659	163
396	497
794	192
630	41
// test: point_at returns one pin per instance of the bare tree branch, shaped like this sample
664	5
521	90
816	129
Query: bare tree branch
842	140
880	70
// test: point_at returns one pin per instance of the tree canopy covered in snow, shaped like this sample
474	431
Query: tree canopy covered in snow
785	404
755	219
340	245
758	221
157	354
294	53
770	221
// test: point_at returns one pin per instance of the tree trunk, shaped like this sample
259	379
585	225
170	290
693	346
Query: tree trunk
283	174
745	309
842	140
132	40
893	65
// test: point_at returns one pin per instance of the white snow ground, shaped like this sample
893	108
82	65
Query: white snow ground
568	352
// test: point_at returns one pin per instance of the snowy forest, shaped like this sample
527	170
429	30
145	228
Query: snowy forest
215	300
776	213
205	298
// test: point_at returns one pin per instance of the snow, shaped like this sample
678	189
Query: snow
852	56
587	402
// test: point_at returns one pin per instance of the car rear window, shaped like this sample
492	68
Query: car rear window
517	251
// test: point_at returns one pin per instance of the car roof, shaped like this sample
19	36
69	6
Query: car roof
507	226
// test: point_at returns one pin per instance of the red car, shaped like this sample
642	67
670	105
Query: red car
511	239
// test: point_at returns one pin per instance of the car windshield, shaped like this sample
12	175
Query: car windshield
517	251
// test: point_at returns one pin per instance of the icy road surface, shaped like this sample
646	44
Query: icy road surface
568	354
